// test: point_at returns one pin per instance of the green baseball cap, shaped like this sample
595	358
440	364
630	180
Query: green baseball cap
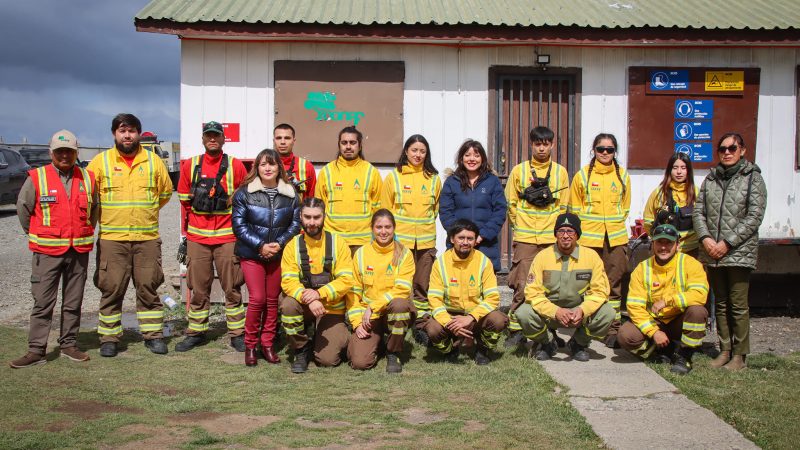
213	127
666	231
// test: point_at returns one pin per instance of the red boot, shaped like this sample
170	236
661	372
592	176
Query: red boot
270	355
250	357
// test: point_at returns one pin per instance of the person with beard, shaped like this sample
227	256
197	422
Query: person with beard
666	304
210	238
317	274
298	169
566	287
133	185
463	298
350	187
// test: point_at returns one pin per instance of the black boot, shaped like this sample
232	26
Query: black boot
682	361
393	364
108	349
557	340
421	337
190	342
237	342
578	351
482	356
546	351
156	346
514	339
301	356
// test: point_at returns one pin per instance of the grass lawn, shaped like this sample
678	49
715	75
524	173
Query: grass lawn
762	402
207	398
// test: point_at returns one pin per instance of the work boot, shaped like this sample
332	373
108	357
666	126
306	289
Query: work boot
682	362
578	351
737	362
108	349
546	351
452	357
74	354
611	341
156	346
481	356
514	339
300	364
190	342
30	359
663	355
557	340
250	357
393	364
237	342
421	337
721	359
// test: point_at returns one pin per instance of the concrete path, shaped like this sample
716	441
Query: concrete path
631	407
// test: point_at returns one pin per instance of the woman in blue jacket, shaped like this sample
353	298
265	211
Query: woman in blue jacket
266	215
473	192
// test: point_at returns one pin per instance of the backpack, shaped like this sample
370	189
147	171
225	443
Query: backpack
208	194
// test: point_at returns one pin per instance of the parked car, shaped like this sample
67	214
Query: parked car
13	172
36	157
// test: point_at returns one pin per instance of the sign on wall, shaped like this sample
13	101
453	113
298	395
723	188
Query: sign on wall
319	98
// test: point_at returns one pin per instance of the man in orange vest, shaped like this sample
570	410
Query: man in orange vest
205	188
298	169
57	208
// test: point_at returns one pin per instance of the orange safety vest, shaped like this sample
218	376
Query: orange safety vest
60	222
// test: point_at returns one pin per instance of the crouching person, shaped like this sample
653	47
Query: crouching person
463	298
380	303
666	304
566	287
316	275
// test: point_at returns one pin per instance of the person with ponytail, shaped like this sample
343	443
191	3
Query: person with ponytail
380	301
672	202
601	196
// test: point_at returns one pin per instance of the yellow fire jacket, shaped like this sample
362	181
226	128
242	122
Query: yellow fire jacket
656	202
680	283
413	198
333	293
558	281
130	197
599	202
377	282
351	191
532	224
463	286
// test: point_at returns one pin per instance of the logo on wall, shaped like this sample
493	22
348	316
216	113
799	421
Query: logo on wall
323	104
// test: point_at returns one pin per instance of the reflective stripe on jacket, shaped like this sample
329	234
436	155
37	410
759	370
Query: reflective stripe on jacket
413	198
462	286
532	224
602	202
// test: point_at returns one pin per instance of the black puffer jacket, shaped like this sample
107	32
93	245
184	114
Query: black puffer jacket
257	221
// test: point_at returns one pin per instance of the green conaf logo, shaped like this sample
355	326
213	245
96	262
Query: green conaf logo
323	104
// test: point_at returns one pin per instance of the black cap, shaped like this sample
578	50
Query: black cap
568	220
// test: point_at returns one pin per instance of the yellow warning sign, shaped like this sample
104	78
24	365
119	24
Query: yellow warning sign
725	81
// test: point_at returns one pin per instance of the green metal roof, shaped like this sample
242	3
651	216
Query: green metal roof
698	14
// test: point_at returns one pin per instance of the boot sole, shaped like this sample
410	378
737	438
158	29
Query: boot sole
37	363
64	355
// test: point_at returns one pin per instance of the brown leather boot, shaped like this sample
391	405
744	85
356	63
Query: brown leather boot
250	357
736	363
270	355
721	359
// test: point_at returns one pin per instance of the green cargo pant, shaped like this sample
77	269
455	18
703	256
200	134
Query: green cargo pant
596	326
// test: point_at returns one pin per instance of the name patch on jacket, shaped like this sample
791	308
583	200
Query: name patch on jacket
47	199
583	276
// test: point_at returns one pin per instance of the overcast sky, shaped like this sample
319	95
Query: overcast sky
75	64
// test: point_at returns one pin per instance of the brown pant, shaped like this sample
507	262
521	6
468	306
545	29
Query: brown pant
423	261
201	261
353	249
487	331
363	353
688	329
521	260
615	262
46	272
117	262
731	286
330	338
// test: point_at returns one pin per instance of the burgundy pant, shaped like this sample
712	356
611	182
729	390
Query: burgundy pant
264	286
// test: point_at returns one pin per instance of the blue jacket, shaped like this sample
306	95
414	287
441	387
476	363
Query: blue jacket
257	221
485	205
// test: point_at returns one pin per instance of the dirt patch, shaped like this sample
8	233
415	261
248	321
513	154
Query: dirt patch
59	426
152	437
421	416
777	335
89	409
322	424
226	424
473	426
235	358
165	390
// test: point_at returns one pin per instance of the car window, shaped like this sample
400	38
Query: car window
3	159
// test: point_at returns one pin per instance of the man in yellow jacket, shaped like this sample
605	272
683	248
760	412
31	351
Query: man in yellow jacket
463	298
567	287
666	304
351	189
316	275
133	185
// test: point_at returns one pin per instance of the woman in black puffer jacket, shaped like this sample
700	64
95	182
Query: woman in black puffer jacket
266	215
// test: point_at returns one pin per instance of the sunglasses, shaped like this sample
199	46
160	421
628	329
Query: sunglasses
605	149
728	149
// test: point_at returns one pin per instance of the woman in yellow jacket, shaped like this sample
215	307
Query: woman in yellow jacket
673	202
601	196
380	302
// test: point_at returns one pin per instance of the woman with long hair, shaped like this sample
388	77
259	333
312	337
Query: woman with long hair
380	302
473	192
266	215
673	201
601	196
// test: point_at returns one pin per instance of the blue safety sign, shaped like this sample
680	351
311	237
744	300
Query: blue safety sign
669	80
692	131
694	109
698	152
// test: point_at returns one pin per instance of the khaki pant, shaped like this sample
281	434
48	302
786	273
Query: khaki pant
46	273
615	262
201	261
521	260
363	353
689	329
487	331
535	326
731	286
330	338
117	262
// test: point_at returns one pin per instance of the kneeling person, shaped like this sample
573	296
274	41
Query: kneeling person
666	304
463	297
567	287
316	274
380	302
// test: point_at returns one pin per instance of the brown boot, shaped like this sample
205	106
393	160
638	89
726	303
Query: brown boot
736	363
721	359
30	359
74	354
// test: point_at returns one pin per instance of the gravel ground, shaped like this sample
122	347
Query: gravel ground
776	334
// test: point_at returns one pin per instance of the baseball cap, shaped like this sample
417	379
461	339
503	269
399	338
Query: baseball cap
213	127
63	139
666	231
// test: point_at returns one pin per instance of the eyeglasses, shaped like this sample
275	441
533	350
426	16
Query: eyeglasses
566	232
605	149
728	149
